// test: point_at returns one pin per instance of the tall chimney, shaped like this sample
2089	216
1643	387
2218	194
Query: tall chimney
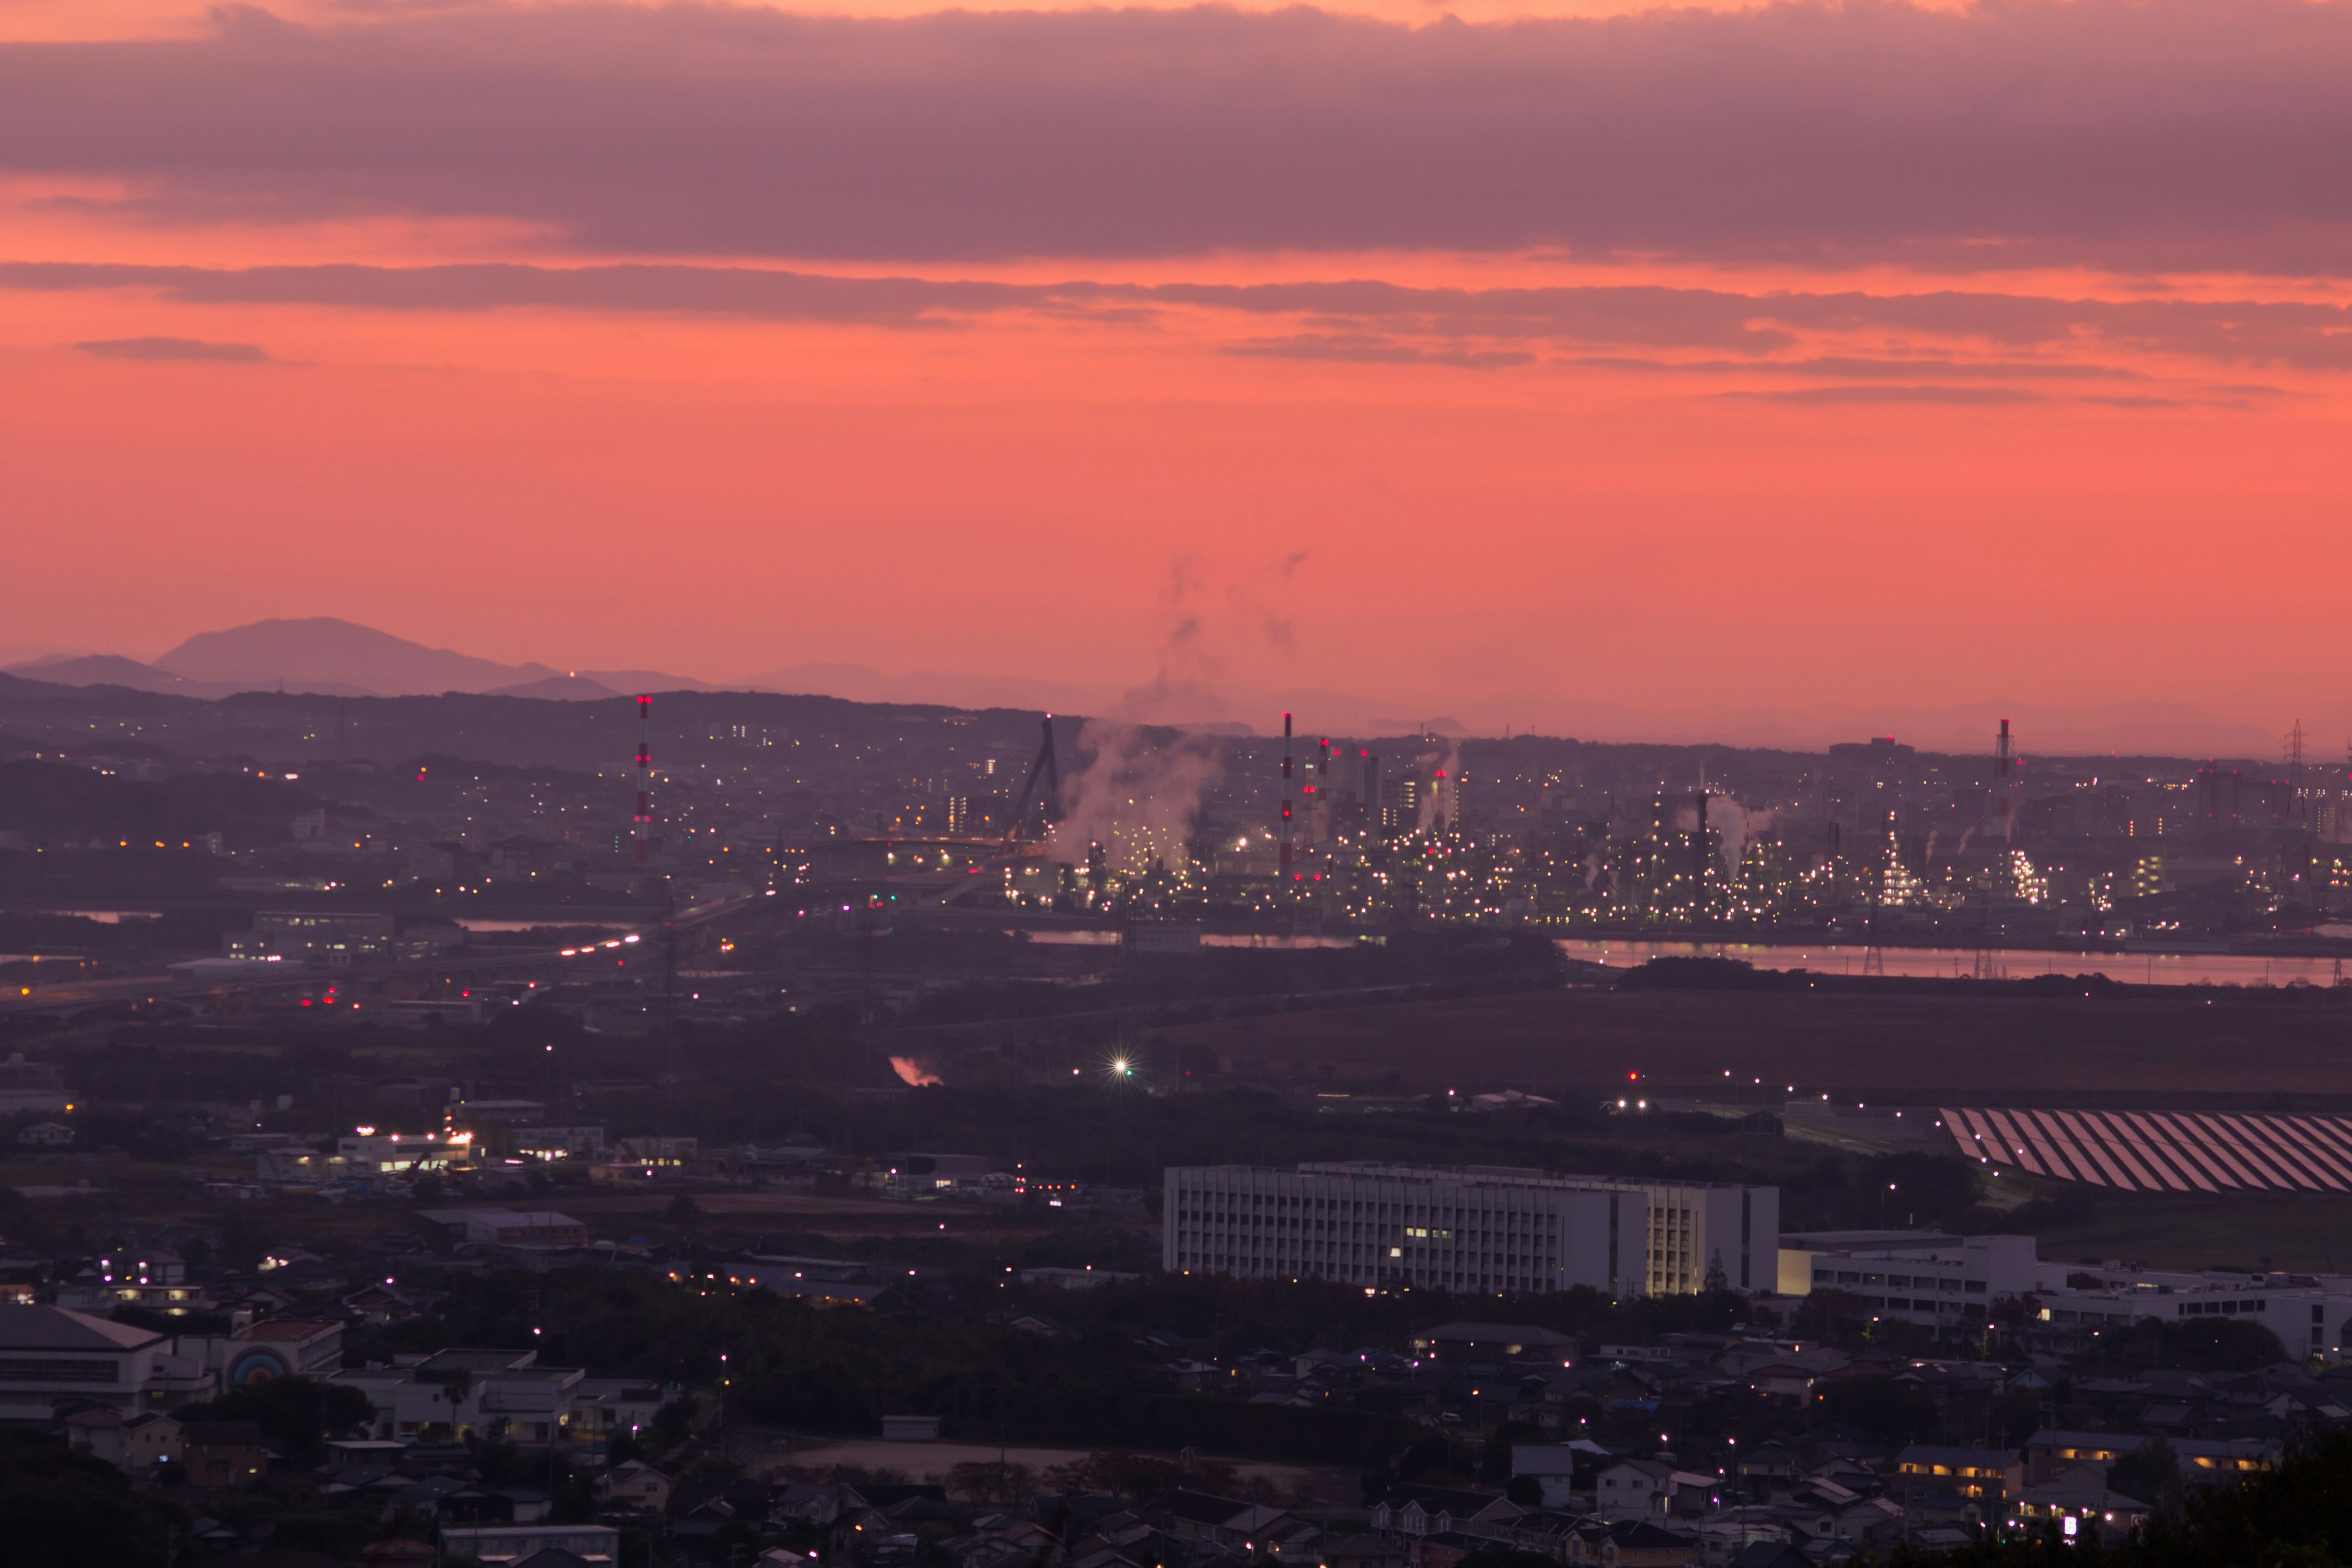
1285	797
644	825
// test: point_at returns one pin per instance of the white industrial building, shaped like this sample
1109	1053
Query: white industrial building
1954	1281
1485	1228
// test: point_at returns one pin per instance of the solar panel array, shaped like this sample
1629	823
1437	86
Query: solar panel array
2163	1152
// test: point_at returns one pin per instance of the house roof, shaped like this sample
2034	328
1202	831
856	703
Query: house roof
1640	1533
287	1329
57	1329
637	1467
1200	1508
551	1557
1431	1497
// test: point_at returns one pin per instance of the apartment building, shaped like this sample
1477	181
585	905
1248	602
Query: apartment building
1485	1228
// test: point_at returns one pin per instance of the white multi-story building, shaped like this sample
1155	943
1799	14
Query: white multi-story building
492	1391
1486	1229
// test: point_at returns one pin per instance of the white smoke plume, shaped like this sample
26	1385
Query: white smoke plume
1135	796
1737	824
1432	763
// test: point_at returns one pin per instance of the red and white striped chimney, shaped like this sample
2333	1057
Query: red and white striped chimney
1285	797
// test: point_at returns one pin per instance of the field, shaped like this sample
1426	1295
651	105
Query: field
1912	1048
2249	1230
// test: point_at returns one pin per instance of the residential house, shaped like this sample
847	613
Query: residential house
1363	1552
509	1545
1634	1488
1631	1543
1404	1512
633	1484
1474	1344
132	1444
224	1453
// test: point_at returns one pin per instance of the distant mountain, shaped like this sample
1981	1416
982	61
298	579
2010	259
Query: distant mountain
15	653
258	656
2123	728
559	688
324	653
337	657
104	669
113	669
859	683
1188	704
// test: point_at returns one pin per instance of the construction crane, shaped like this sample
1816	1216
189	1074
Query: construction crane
1049	802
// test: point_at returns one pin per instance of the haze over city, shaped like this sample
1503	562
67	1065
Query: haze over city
1397	784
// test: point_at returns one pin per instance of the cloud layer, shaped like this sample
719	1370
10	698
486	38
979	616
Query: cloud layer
2186	134
1356	319
176	349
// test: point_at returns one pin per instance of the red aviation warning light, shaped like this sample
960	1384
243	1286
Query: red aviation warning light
1284	864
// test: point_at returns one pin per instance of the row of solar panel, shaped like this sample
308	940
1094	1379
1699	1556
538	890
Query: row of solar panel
2158	1152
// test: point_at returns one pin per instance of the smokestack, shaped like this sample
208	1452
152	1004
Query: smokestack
1699	856
644	819
1285	797
2000	756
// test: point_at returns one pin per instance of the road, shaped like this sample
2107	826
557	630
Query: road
81	996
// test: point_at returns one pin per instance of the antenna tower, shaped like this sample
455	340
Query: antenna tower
2296	808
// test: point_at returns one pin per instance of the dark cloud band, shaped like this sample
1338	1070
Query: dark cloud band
2178	134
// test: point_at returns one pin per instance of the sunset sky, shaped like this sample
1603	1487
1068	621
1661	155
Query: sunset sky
1495	358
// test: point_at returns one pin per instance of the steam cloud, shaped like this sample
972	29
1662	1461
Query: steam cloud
1138	795
1737	824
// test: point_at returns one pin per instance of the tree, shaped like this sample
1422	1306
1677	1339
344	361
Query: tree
987	1481
673	1422
1494	1452
63	1509
459	1383
683	1212
1524	1491
2151	1473
298	1414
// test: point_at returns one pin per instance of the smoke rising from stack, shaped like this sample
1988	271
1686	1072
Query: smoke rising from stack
1138	795
1736	825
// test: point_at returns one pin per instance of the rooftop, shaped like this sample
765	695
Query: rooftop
57	1329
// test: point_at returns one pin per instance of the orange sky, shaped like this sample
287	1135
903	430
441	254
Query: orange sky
1647	442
